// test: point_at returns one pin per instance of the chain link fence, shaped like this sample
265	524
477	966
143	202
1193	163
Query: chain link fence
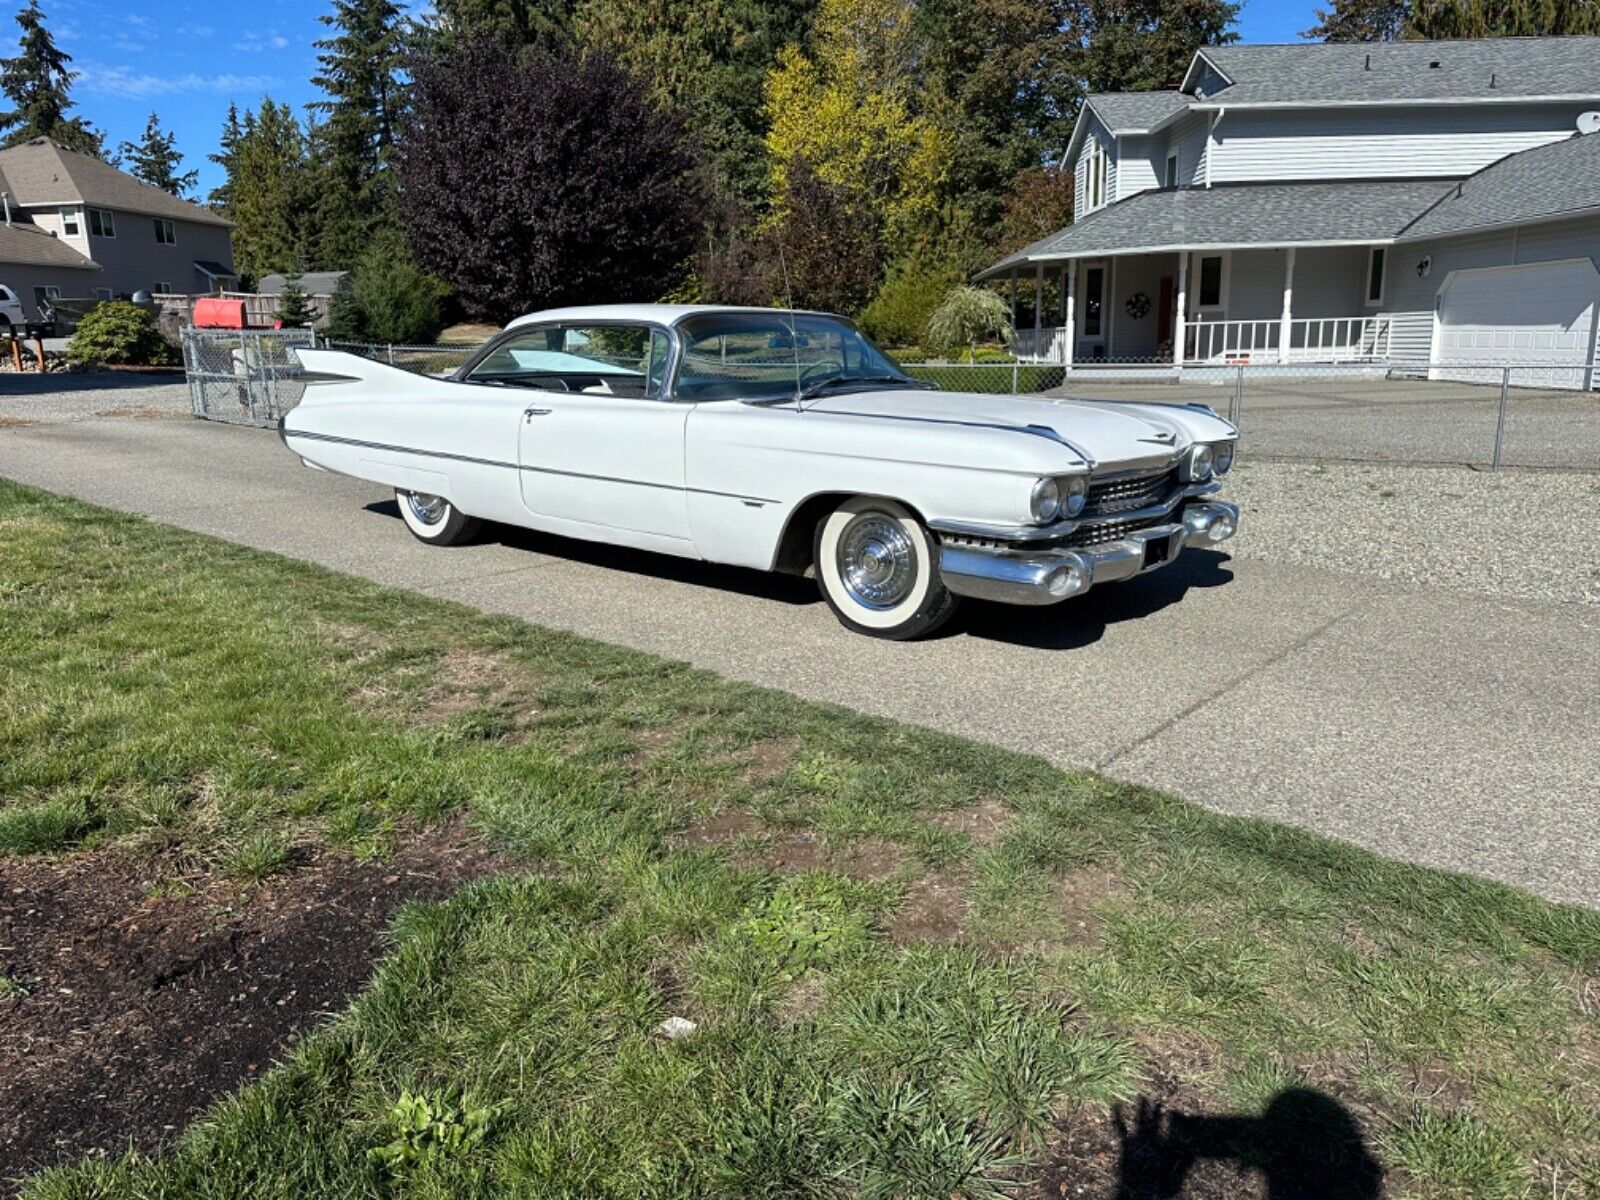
1477	414
244	376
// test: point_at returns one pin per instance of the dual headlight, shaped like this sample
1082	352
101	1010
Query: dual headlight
1205	459
1058	496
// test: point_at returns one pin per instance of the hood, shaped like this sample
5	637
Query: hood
1106	431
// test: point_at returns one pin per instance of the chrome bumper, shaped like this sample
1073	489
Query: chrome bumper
1050	576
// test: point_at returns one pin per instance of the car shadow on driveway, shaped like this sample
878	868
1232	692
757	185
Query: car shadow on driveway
1074	624
1071	625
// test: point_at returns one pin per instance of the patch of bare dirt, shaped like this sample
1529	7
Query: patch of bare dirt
134	1011
1079	894
983	822
934	910
468	678
756	844
9	422
768	760
728	825
139	413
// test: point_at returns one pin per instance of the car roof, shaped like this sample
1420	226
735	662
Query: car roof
660	314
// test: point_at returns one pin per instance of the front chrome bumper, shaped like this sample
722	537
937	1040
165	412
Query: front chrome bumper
1049	576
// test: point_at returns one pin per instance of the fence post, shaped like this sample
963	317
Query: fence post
1015	367
1238	395
391	354
1500	422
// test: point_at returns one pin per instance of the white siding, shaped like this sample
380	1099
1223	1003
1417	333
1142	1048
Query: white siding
1188	137
1380	144
1137	166
49	220
1080	165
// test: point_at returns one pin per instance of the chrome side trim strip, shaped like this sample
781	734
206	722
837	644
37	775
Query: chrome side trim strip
286	433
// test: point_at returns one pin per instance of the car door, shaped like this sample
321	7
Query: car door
598	445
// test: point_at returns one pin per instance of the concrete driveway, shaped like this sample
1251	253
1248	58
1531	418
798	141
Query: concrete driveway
1451	729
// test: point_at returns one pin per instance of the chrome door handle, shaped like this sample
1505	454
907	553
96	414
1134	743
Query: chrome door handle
537	412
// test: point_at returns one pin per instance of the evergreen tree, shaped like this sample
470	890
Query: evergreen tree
38	83
226	157
269	191
1361	21
360	76
155	159
294	303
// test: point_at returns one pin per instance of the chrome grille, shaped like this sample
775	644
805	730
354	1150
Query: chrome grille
1125	495
1109	531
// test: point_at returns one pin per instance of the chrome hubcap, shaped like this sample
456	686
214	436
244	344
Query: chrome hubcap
877	561
429	510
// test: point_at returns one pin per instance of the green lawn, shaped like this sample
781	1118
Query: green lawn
917	964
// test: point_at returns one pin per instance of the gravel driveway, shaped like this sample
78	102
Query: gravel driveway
30	399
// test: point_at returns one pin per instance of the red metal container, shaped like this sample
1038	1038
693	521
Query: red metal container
215	312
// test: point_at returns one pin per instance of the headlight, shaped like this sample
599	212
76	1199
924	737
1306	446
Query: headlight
1221	457
1197	464
1074	491
1046	502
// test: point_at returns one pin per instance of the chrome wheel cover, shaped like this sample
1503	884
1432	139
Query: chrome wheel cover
429	510
877	561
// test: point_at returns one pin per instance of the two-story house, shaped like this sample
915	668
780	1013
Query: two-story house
1423	202
76	226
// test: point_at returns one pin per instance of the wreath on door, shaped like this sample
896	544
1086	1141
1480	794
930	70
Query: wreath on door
1137	305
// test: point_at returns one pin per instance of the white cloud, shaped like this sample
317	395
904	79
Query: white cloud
254	43
126	84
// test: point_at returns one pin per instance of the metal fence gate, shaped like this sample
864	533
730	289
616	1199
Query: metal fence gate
244	376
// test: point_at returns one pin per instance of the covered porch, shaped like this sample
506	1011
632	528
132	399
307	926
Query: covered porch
1200	307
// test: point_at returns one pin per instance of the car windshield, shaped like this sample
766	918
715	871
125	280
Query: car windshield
774	355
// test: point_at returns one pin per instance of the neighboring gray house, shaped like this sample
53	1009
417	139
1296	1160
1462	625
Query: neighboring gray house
325	284
78	227
1427	202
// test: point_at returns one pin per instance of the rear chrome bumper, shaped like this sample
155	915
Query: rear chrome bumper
1050	576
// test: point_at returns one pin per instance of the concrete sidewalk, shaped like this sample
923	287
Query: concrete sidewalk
1450	729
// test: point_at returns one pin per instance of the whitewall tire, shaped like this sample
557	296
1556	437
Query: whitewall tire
434	520
878	568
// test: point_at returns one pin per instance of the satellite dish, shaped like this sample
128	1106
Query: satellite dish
1589	122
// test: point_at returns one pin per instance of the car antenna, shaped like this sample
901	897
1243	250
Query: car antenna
794	336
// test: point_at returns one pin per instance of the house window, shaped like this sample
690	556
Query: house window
1094	285
165	234
162	289
1375	265
69	222
43	295
1172	170
1213	281
1094	192
104	294
101	224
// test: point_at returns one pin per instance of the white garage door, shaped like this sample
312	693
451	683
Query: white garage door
1541	314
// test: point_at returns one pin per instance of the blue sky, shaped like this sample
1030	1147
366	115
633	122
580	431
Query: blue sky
186	60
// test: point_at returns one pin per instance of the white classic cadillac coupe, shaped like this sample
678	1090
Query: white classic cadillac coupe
775	440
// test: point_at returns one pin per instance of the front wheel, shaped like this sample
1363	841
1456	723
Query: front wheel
434	520
878	568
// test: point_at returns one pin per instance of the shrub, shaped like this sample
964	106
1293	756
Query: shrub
967	316
117	333
396	300
898	314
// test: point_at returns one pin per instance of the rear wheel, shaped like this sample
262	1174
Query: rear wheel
878	568
434	520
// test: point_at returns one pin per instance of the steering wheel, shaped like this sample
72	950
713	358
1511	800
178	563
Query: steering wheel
821	370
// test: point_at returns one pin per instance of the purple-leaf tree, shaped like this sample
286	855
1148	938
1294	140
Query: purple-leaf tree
534	179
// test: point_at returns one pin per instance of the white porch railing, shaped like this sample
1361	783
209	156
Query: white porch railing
1042	345
1311	340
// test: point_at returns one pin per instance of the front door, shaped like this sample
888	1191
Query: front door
1164	309
1092	337
597	444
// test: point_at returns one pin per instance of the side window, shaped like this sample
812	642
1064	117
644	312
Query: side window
660	352
605	360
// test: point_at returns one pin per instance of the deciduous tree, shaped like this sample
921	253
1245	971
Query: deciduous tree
1037	204
1142	45
154	158
540	179
1361	21
1502	18
830	254
38	83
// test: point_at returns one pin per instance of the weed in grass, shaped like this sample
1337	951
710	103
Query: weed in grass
1453	1156
260	856
430	1126
41	827
12	988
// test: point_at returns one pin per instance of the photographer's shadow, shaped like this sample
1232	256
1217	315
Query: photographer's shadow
1304	1145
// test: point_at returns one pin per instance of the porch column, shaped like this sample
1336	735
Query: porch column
1070	298
1016	279
1286	322
1038	312
1181	314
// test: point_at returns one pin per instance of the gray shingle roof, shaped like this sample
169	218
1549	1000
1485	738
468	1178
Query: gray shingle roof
41	172
1548	181
316	283
1129	112
1257	214
28	244
1503	68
